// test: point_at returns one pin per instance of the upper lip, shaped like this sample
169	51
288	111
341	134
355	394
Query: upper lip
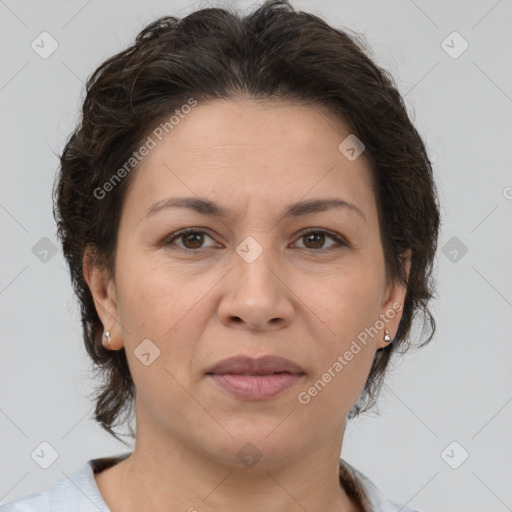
245	365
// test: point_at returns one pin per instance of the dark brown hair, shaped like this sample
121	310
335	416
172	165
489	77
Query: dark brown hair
274	52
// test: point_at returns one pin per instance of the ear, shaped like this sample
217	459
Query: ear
393	303
103	291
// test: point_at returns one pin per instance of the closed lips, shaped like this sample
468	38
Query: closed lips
244	365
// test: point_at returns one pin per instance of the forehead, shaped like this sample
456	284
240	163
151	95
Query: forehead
258	152
274	132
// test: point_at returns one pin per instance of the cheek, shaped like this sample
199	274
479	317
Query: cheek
157	301
332	394
151	295
347	307
346	301
343	360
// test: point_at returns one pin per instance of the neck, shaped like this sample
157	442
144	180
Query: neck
166	472
168	476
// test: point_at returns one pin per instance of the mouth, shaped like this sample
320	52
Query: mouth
245	365
256	379
256	387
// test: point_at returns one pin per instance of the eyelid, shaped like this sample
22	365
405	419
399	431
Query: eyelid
169	240
336	237
340	239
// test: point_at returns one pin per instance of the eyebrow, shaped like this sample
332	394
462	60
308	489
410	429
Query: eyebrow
207	207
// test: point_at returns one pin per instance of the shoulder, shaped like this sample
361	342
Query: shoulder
78	492
369	494
63	495
381	503
37	502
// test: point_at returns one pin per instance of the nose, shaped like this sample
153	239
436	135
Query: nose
257	294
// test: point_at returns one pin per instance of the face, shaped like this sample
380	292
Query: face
255	281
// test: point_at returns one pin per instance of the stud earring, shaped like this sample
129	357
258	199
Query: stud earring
107	339
387	339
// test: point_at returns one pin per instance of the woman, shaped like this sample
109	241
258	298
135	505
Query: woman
250	220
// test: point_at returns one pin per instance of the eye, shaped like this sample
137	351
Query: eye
192	238
316	239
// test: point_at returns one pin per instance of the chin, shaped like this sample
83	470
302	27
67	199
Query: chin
262	444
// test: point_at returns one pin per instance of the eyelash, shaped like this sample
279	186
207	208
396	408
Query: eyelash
178	234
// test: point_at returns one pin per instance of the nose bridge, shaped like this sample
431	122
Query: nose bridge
256	254
253	257
255	293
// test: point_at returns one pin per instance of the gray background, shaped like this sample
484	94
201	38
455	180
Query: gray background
459	388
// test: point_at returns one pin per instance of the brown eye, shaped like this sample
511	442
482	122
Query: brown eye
194	239
315	240
191	239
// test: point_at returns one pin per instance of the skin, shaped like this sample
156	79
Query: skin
300	299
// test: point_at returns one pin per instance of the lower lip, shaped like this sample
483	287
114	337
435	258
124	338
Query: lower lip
256	387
